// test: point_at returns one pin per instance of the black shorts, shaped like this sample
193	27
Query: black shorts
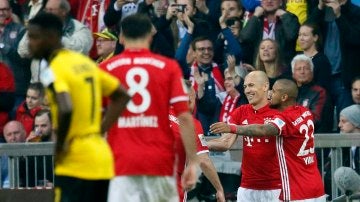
70	189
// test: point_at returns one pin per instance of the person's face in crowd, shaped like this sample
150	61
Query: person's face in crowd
270	6
105	46
33	98
275	96
231	8
267	51
306	38
42	124
192	99
355	92
345	125
53	6
255	90
204	52
189	9
302	73
5	11
13	132
235	28
229	83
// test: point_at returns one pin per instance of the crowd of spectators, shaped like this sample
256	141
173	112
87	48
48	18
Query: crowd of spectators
215	42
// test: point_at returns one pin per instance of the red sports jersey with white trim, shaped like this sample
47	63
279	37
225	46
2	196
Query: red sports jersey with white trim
298	164
260	165
201	147
141	140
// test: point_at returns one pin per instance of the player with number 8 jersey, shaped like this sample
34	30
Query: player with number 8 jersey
142	141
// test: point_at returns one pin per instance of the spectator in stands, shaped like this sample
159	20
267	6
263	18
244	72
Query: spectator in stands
42	130
203	52
355	90
309	42
76	36
119	9
105	44
271	21
227	42
10	35
175	18
345	178
32	8
339	25
311	95
14	132
26	112
218	107
7	95
269	60
350	123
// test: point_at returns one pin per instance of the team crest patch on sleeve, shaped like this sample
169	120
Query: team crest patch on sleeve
280	123
202	139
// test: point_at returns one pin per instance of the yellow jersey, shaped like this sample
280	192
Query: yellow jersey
88	155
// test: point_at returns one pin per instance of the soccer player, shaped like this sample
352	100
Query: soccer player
75	86
206	164
142	141
260	166
294	127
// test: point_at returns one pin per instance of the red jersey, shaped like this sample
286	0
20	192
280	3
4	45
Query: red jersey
141	140
201	147
260	165
298	164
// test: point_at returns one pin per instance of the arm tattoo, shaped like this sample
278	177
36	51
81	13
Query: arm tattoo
257	130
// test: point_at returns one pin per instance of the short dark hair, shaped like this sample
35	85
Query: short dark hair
136	26
37	86
200	38
42	112
49	22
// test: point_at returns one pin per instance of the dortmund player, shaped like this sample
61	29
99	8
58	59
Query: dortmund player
75	86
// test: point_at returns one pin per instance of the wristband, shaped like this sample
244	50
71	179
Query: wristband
232	128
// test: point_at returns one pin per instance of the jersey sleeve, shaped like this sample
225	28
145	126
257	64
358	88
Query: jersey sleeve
108	83
201	145
179	98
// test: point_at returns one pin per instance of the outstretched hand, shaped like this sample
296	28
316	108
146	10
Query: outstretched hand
220	127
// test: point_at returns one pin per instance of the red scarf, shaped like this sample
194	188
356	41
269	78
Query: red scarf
269	29
227	107
215	73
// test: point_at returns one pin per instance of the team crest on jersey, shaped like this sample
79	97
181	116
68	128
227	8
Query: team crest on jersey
202	140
